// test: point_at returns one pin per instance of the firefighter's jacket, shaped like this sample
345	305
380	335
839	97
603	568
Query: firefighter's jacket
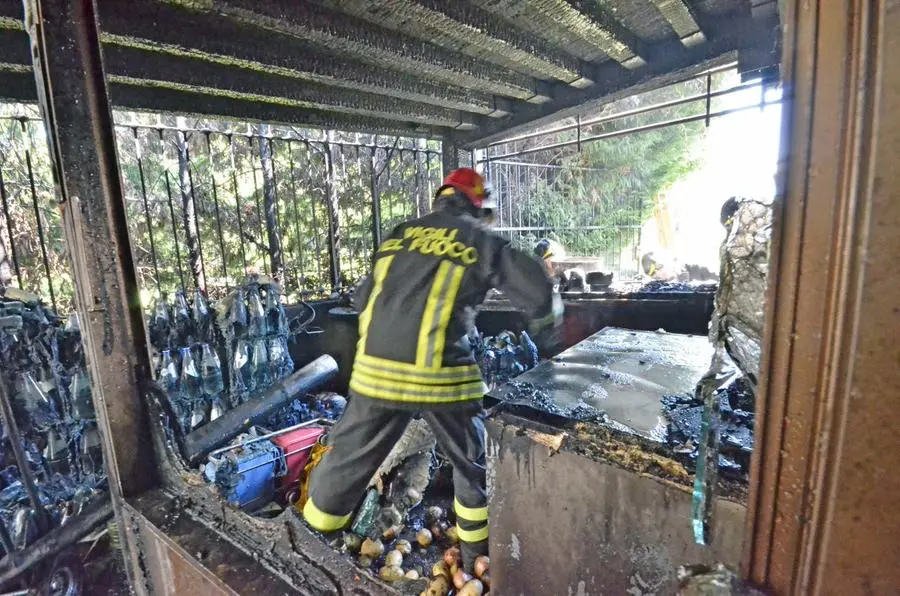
419	303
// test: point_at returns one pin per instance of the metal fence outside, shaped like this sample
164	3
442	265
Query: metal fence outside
208	202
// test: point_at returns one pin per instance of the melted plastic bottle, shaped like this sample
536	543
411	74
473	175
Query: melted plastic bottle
211	372
260	363
256	314
202	319
160	326
239	317
189	382
280	364
184	327
168	373
276	319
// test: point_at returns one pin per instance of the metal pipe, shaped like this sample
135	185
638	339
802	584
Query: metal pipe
376	202
147	218
221	430
37	216
10	230
269	435
172	216
299	271
636	129
197	212
259	216
215	194
237	203
708	98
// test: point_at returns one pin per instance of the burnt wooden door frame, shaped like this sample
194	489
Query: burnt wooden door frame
823	517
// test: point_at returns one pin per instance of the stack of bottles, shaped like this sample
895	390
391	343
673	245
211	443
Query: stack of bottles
256	336
250	335
42	359
504	356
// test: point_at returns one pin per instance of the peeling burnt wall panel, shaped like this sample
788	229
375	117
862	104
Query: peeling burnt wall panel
740	300
174	31
602	529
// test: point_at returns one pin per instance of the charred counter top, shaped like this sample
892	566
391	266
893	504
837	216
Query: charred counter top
577	459
617	376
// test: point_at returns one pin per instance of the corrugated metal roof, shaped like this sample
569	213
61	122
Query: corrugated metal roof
466	70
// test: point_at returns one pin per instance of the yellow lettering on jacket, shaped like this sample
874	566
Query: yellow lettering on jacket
391	245
438	242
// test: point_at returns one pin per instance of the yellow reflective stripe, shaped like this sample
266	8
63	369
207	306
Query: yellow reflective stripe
472	535
431	305
470	513
324	522
365	317
406	392
427	377
449	301
410	367
438	391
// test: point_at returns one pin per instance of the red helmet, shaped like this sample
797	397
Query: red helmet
470	183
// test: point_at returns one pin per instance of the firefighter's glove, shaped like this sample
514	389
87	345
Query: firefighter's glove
547	332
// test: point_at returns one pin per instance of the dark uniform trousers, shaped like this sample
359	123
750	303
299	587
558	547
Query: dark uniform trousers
361	441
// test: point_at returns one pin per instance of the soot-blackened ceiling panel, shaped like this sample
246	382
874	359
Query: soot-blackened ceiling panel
468	70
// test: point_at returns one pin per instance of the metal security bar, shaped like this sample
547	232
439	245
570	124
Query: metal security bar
209	206
584	182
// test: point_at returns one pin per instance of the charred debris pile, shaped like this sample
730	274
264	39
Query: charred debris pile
214	358
46	383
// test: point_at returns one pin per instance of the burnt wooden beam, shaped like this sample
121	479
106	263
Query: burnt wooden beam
679	16
615	82
180	101
572	24
135	95
347	36
138	67
14	47
215	38
472	30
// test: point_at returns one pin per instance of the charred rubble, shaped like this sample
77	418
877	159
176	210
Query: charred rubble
43	364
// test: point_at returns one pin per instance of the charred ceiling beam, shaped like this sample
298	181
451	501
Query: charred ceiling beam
343	35
14	48
139	67
136	95
460	26
739	35
215	38
572	24
679	16
12	14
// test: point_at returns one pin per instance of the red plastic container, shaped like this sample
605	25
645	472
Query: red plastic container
296	446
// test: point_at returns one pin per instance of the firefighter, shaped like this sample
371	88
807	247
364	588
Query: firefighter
413	356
